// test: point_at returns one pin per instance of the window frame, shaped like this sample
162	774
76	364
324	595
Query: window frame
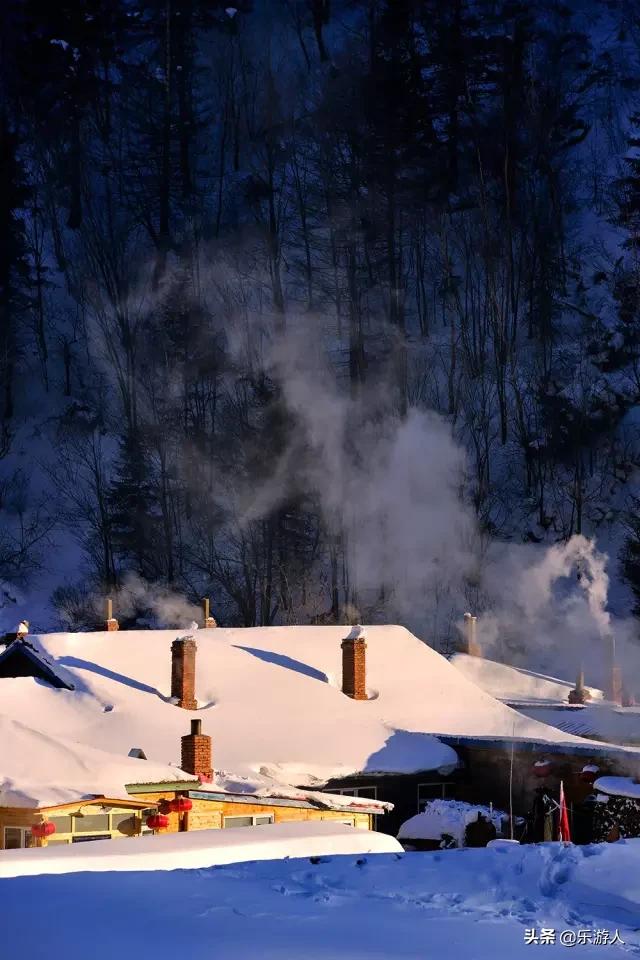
247	816
24	831
77	822
110	832
355	791
442	784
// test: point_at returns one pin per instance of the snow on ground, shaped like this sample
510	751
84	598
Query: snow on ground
37	769
270	697
514	683
475	904
202	848
447	816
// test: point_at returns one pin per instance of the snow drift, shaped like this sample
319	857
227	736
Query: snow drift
203	848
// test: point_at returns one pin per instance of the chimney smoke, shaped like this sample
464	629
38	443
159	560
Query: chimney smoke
614	692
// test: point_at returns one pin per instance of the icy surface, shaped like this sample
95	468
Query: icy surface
270	698
202	848
474	904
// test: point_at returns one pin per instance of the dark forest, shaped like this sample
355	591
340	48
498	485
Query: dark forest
305	304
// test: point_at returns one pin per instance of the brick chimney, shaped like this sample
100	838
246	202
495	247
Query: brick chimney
471	645
579	694
110	622
208	622
354	672
196	753
183	672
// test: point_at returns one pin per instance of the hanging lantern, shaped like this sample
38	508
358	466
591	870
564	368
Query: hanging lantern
589	773
42	830
542	768
180	805
157	821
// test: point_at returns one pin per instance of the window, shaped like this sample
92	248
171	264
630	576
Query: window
247	821
91	823
364	793
15	838
433	791
63	824
149	812
370	793
238	821
73	828
124	823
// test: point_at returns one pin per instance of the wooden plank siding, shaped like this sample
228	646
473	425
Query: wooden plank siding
204	814
209	814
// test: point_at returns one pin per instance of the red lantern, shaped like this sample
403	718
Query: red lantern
542	768
42	830
180	805
157	821
589	773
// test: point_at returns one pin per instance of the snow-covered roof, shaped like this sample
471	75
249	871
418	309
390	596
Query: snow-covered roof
24	654
267	791
546	699
41	770
618	787
271	700
515	684
600	720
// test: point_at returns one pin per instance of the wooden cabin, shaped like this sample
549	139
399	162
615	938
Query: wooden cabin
105	818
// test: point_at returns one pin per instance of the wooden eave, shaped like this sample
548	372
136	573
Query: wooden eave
82	802
171	786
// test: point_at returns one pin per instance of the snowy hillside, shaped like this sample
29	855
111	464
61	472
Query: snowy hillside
467	904
256	359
